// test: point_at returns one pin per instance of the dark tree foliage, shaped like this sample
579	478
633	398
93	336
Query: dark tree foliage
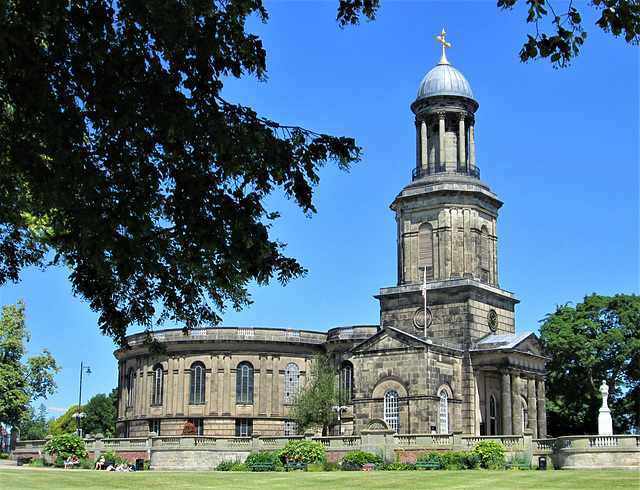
598	339
619	17
102	412
120	159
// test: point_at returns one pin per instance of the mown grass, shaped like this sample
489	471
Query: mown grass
47	479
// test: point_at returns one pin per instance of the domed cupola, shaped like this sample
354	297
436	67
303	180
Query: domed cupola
444	110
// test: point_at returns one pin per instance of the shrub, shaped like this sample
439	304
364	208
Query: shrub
263	457
361	458
189	429
469	461
66	445
331	466
430	457
38	462
491	454
87	464
229	466
117	460
302	451
59	461
147	464
4	455
395	466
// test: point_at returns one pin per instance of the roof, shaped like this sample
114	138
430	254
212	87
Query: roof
444	79
504	341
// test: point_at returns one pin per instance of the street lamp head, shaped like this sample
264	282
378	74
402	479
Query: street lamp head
88	370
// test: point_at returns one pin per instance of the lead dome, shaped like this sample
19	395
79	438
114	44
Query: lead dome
444	79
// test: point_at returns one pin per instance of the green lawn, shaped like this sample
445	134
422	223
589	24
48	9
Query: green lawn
51	480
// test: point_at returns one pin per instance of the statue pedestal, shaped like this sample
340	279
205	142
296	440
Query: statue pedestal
605	423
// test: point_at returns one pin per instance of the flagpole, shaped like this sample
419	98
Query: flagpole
424	294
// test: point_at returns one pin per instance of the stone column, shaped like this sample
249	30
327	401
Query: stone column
227	393
533	406
542	408
167	396
461	142
442	157
505	403
262	383
516	403
418	146
179	400
186	385
213	386
424	146
276	408
472	148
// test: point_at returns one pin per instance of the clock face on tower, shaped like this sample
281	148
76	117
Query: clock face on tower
418	319
492	320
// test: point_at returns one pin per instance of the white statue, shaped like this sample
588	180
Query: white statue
605	422
604	389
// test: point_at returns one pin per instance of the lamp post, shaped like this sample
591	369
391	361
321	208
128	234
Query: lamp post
340	409
80	415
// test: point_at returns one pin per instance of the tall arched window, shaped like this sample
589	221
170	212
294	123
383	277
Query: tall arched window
196	394
391	409
156	394
130	388
346	382
291	382
444	412
493	416
244	383
524	416
425	249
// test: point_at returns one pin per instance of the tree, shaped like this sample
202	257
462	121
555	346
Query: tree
35	427
313	405
598	339
619	17
20	383
120	158
102	411
66	423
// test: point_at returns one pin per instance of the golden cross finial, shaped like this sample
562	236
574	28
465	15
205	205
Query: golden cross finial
445	44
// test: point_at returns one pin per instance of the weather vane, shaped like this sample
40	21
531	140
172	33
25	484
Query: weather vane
445	44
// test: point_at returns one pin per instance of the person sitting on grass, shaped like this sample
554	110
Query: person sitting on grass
99	463
122	467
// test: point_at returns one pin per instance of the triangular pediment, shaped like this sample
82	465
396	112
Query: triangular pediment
388	338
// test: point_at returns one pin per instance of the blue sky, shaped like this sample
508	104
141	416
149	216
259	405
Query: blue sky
558	147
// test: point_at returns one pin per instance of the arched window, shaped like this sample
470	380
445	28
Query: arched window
391	409
156	394
130	388
493	418
196	394
346	383
425	249
291	382
444	412
524	416
244	383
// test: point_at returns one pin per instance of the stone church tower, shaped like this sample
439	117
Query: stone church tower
447	223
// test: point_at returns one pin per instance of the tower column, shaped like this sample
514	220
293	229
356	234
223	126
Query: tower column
442	157
505	402
472	148
461	143
424	146
419	160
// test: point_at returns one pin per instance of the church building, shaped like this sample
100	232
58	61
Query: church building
445	356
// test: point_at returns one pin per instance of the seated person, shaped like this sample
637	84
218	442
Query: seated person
71	461
122	467
99	463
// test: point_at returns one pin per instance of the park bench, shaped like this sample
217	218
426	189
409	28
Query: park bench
266	465
295	466
427	465
107	463
514	463
23	460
